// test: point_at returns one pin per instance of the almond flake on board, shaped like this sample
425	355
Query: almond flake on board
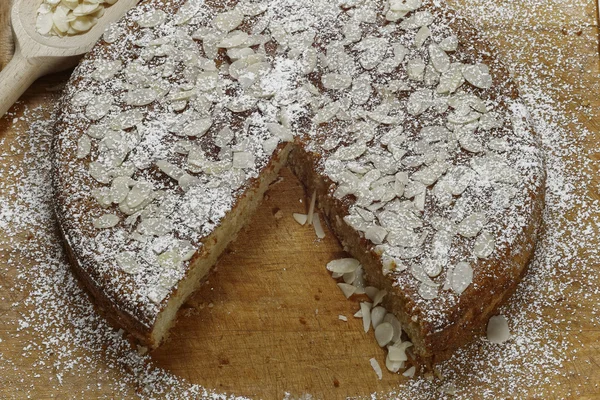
497	329
376	368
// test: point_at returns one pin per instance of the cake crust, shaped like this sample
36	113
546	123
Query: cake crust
145	303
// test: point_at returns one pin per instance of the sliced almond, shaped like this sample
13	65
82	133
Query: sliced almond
365	309
343	265
384	333
300	218
347	289
497	329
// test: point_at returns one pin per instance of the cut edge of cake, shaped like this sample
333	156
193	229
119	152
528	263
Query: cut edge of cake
430	347
201	263
215	244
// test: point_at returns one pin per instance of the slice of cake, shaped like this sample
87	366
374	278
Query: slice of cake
395	113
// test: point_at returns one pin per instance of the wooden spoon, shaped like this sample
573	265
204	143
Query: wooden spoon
37	55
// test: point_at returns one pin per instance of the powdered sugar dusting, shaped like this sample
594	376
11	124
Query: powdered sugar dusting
68	337
404	145
539	354
60	314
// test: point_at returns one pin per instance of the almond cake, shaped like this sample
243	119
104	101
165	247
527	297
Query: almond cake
395	113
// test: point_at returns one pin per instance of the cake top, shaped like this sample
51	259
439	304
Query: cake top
183	103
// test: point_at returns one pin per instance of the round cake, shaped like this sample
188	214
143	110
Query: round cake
395	113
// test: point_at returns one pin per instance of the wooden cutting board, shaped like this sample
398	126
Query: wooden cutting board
267	321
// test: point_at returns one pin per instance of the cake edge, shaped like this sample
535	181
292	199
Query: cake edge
430	347
201	263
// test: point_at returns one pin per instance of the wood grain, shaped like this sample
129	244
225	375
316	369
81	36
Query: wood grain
267	323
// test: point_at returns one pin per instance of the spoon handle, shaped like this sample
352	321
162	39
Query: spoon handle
16	77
